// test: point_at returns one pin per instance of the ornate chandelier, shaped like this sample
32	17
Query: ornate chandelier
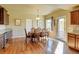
37	17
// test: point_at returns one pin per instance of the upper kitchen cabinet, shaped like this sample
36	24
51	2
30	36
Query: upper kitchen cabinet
75	17
4	17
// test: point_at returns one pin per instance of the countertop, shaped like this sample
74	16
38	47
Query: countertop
74	32
2	31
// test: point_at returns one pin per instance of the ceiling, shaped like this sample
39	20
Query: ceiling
31	9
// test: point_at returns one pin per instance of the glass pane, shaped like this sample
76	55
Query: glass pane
48	24
35	23
41	23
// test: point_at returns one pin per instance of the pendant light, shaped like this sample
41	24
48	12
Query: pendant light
38	17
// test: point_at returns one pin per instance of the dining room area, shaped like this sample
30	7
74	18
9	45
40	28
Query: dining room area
39	29
36	41
29	31
33	29
36	34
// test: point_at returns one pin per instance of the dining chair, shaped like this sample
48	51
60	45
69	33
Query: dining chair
27	36
43	35
37	34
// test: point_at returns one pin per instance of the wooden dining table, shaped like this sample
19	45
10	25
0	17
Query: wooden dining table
36	35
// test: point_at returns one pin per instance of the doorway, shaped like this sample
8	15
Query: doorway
61	29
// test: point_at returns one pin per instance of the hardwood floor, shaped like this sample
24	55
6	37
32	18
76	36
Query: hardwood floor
18	46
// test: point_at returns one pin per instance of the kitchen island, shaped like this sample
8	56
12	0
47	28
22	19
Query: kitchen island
5	35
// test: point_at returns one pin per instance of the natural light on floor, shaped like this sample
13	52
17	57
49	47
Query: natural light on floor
49	45
59	49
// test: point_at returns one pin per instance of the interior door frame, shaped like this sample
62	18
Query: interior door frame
65	29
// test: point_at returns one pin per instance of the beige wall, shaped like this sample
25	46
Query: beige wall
18	31
56	14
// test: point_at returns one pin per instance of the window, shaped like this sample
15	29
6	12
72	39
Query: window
38	23
34	23
49	24
41	23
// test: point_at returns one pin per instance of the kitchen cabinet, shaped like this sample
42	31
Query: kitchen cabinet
1	41
4	37
73	41
75	17
4	18
77	42
7	36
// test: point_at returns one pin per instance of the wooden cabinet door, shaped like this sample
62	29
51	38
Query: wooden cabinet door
71	42
1	41
75	17
72	18
78	17
4	17
1	16
73	22
77	42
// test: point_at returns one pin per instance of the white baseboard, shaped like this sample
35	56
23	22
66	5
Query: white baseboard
17	36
